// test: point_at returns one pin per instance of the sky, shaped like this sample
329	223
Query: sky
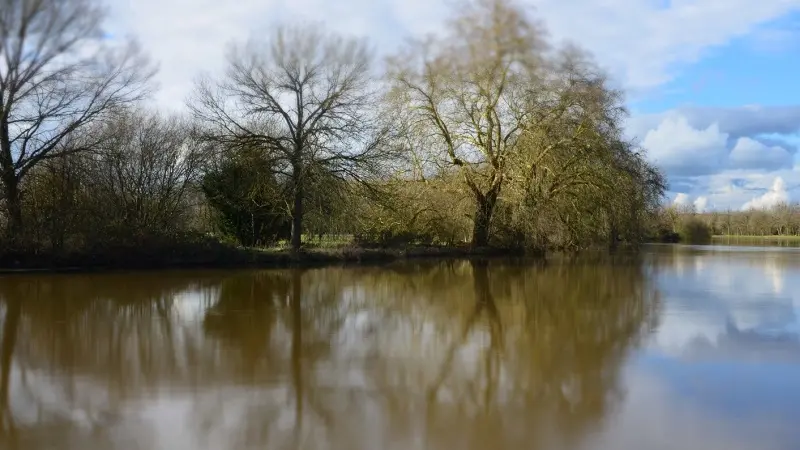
711	84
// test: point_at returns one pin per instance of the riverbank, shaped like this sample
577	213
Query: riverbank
222	256
773	238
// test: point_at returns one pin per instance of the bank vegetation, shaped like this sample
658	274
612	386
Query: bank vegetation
487	135
684	223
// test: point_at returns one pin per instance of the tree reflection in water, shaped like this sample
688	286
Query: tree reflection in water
430	355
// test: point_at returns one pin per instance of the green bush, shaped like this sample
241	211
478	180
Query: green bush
695	231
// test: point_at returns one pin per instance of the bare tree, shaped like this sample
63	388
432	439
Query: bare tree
468	92
306	96
143	171
58	73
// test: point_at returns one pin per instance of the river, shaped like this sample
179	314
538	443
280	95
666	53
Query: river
680	347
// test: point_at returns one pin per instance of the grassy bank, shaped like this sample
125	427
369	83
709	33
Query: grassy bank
212	254
775	238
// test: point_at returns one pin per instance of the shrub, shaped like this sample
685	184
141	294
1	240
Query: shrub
695	231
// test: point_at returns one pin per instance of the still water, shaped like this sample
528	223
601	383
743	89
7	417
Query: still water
679	348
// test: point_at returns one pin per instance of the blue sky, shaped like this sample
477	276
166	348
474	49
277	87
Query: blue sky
711	83
755	69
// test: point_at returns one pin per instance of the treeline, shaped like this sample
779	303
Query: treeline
674	223
488	134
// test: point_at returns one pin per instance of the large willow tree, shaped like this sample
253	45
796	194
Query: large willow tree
467	93
574	177
520	124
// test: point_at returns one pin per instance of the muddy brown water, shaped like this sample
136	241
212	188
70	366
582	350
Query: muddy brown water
680	348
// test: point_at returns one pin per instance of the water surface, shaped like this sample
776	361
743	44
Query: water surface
682	347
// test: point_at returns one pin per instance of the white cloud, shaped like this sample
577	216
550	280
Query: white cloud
726	162
187	36
682	199
678	147
775	196
751	154
747	120
642	42
686	143
700	204
730	189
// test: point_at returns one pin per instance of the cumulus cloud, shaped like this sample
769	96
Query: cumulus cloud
731	189
700	204
692	151
743	138
749	120
679	148
775	196
751	154
682	199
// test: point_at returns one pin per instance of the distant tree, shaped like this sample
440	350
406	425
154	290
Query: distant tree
138	181
782	219
694	231
141	174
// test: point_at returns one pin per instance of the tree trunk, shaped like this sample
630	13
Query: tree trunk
613	237
483	219
297	213
10	182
